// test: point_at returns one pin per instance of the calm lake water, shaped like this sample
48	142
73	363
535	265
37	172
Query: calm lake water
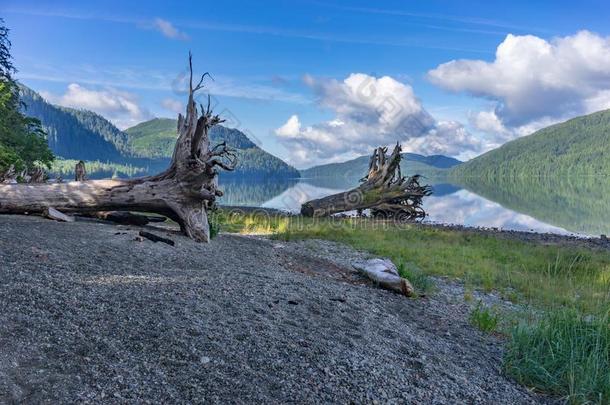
579	205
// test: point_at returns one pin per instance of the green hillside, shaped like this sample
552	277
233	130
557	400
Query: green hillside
411	163
156	139
580	146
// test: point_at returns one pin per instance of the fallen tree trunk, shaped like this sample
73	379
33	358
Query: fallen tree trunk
384	190
119	217
184	192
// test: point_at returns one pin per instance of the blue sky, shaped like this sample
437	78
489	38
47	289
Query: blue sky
281	69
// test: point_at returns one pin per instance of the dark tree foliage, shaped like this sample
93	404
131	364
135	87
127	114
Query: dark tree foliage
6	63
22	140
76	134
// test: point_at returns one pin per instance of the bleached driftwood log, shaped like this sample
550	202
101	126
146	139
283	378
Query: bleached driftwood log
184	192
385	274
52	213
119	217
383	189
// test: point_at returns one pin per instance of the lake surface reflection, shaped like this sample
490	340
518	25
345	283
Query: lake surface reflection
557	205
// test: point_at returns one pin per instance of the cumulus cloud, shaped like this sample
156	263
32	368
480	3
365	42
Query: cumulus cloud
120	107
533	82
369	112
168	30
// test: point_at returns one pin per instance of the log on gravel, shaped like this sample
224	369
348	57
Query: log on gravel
384	273
52	213
383	189
184	192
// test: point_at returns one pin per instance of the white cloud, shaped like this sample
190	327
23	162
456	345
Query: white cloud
173	105
369	112
167	29
533	81
120	107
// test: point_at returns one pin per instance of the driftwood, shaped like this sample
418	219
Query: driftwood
384	273
52	213
155	238
34	175
383	189
80	172
119	217
9	176
184	192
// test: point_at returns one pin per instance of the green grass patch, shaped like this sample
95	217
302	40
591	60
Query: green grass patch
564	353
484	318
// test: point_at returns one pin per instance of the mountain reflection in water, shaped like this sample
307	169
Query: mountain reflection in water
566	205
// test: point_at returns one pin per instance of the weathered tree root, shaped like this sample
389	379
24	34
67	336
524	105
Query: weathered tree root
384	190
184	192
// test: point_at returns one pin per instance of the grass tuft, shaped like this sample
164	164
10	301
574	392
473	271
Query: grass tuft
421	281
484	318
564	353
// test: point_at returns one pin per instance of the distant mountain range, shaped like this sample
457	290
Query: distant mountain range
411	164
145	148
580	146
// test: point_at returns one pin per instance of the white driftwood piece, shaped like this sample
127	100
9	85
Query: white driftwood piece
52	213
385	274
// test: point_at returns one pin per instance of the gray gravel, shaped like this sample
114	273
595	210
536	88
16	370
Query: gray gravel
92	316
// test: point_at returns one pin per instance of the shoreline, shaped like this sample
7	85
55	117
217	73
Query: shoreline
600	242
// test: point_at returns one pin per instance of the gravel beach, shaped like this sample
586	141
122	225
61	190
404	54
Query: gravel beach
91	315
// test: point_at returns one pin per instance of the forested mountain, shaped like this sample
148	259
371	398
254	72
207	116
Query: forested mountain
580	146
156	139
147	147
76	134
411	164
